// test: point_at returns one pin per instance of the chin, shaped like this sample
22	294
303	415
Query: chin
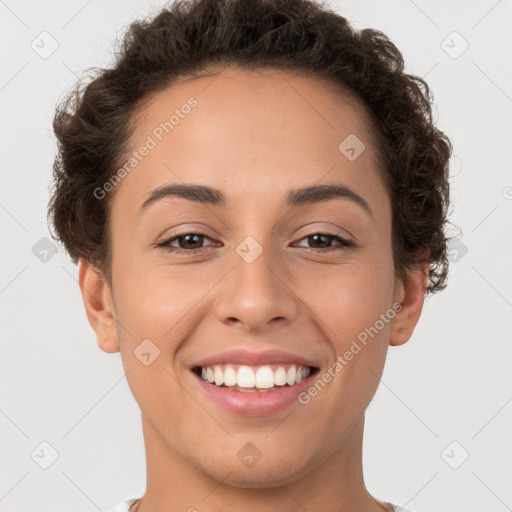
261	480
264	474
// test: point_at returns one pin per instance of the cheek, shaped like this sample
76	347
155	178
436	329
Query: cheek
353	295
157	302
151	293
354	312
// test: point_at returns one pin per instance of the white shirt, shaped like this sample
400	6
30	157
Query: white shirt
125	505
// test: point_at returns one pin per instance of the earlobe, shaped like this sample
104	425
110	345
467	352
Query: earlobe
410	294
99	306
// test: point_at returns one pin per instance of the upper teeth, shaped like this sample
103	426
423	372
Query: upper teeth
262	377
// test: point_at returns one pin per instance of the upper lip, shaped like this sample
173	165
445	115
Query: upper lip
246	357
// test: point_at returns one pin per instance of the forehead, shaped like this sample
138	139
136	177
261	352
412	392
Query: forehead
257	130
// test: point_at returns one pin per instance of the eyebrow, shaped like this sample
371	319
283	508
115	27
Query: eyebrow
295	197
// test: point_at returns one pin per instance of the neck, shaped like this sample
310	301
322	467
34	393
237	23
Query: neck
333	485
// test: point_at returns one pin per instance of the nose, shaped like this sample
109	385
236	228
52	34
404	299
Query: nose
257	295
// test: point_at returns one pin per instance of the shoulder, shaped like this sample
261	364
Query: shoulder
124	505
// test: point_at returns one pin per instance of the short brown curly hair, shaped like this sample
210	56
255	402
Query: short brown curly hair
94	123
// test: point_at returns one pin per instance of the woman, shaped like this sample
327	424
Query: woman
256	195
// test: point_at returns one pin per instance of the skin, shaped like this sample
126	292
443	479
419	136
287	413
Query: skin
254	135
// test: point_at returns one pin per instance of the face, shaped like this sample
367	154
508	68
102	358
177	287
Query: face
284	276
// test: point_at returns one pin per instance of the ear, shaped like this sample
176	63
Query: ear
410	293
99	306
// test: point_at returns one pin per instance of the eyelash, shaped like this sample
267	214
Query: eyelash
345	244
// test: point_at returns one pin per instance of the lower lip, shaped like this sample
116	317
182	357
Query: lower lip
254	403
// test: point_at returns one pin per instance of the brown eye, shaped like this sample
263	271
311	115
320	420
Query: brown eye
189	240
188	243
324	240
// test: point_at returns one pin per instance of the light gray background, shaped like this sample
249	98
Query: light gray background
451	382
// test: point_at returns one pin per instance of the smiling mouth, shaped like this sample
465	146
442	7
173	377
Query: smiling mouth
263	378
